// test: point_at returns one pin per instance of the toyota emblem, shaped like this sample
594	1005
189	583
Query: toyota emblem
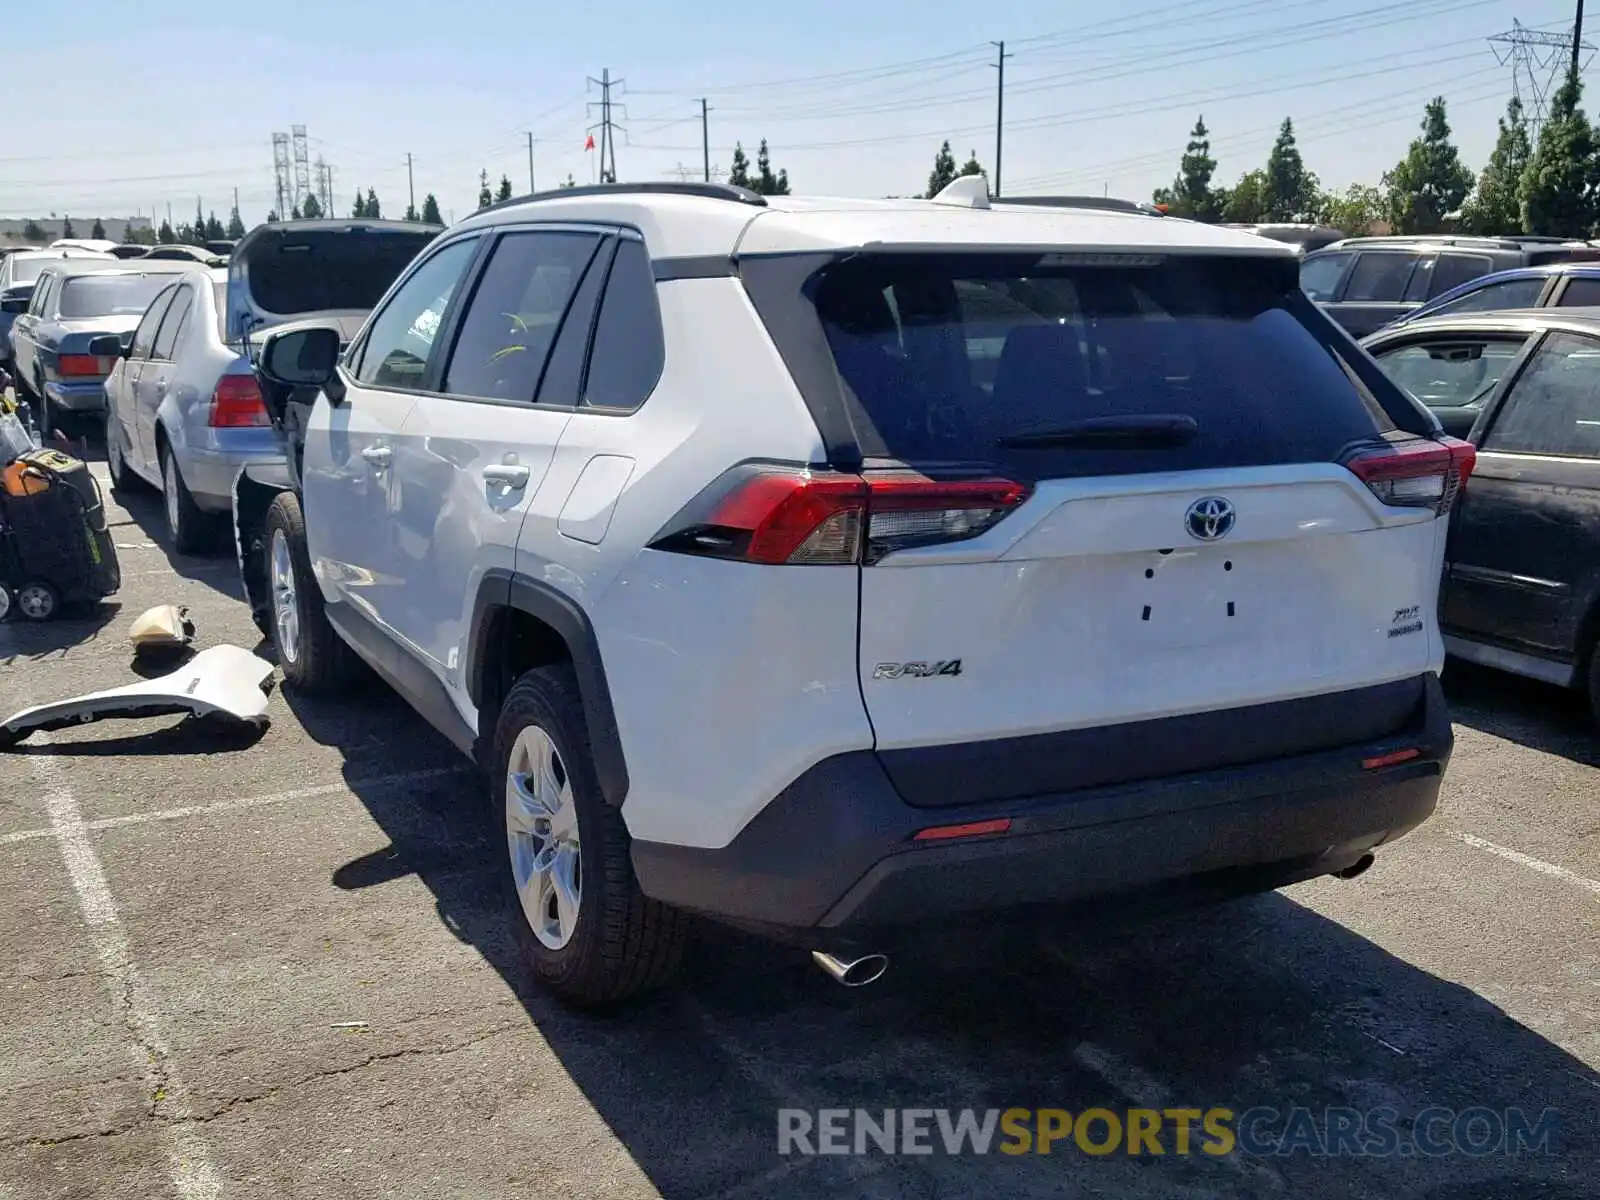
1209	519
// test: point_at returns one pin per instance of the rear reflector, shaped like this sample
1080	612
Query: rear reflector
799	517
236	404
943	833
1420	474
1388	760
78	366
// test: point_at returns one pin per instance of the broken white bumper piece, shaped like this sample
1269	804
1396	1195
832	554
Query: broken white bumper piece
223	681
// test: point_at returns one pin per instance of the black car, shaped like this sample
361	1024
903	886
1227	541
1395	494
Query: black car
1522	571
1366	282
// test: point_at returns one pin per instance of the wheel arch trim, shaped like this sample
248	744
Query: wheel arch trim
501	591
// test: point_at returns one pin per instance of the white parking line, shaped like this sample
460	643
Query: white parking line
375	783
189	1159
1534	864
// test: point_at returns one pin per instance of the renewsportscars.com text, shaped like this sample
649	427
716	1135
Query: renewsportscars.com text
1262	1130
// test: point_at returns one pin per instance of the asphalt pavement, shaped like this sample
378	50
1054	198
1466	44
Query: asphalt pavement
277	965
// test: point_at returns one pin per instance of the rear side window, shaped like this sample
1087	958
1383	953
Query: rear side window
1320	275
173	325
144	337
1513	293
1581	293
1554	405
1000	359
1380	277
515	312
628	353
1452	270
1450	373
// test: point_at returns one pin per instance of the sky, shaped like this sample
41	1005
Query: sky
176	102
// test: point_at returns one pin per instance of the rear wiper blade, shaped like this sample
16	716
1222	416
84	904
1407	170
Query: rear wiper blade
1154	429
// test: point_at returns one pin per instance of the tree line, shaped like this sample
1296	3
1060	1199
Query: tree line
1550	186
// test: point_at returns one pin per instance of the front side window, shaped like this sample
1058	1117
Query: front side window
515	312
1554	406
1450	372
401	339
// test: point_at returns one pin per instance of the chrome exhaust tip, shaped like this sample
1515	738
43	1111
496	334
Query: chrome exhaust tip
853	972
1359	867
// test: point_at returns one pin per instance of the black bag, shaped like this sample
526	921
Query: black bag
56	534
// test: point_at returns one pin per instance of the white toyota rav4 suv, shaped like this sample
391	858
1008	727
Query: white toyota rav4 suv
830	567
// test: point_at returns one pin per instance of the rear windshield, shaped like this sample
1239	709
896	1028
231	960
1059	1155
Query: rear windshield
110	295
954	358
26	270
312	273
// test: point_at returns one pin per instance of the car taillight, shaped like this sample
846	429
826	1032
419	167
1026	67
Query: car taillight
76	366
800	517
1423	474
237	404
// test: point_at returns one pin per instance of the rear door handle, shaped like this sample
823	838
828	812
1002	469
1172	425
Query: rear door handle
507	475
378	456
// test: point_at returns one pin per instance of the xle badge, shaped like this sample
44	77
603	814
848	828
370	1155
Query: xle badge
1406	620
917	670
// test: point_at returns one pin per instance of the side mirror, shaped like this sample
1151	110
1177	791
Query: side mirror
106	345
301	357
15	304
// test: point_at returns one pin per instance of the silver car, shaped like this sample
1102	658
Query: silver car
183	410
18	271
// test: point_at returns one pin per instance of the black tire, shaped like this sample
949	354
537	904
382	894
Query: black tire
1594	682
123	480
317	661
192	530
623	944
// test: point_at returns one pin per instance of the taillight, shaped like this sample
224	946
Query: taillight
799	517
236	404
76	366
1422	474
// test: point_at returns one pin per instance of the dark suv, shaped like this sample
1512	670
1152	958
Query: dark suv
1364	283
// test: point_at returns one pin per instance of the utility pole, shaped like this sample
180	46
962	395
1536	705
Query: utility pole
1577	36
531	187
705	138
411	188
169	214
999	110
607	127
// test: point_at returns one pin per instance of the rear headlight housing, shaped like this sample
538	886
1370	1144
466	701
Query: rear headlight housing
1419	474
80	366
801	517
236	404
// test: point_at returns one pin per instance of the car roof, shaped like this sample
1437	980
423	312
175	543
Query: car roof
67	252
1521	320
698	222
121	266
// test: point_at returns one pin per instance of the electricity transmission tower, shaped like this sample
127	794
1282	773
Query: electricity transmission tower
1538	60
302	164
607	125
282	177
324	186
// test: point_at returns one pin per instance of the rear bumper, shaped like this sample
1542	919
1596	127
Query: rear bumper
832	858
209	472
86	397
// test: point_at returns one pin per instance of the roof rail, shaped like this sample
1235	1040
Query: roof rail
1436	239
654	187
1103	203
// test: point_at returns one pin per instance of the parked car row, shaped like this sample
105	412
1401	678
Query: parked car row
181	406
1365	283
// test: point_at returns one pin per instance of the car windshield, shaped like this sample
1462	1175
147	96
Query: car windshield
110	295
